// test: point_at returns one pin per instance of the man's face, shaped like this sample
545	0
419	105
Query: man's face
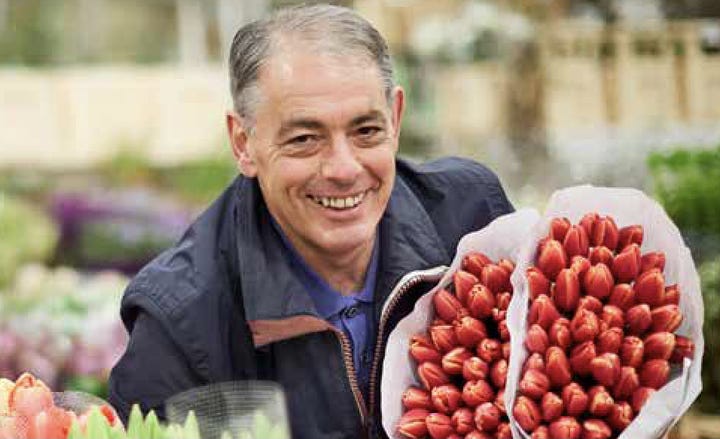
323	148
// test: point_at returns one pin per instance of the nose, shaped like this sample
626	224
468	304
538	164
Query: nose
340	163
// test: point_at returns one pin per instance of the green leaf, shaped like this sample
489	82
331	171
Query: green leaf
135	424
152	426
97	426
191	429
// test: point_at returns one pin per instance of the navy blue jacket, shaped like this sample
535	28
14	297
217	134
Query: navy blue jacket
223	304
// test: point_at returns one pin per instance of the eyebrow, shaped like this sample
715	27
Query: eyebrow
371	116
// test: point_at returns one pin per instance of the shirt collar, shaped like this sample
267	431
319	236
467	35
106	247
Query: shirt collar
328	300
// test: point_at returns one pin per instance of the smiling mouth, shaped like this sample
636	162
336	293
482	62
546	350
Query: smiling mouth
339	203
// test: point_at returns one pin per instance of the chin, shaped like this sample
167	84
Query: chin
346	239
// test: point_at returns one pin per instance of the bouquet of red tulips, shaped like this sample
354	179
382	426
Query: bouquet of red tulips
608	312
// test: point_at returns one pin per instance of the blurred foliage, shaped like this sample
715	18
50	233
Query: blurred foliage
710	278
30	33
26	235
687	184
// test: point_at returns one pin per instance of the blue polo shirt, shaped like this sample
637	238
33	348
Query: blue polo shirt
353	314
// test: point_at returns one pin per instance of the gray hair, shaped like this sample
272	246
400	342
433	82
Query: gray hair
331	29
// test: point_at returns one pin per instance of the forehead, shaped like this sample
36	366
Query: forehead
301	81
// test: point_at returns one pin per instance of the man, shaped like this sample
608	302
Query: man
285	276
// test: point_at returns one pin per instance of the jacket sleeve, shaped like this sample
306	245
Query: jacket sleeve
151	370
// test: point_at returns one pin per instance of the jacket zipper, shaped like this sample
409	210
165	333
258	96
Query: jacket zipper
405	285
352	375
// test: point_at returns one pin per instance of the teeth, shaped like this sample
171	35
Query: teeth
339	203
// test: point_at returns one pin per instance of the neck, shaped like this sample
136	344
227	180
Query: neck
345	272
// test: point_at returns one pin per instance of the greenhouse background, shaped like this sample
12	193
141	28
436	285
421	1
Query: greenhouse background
112	138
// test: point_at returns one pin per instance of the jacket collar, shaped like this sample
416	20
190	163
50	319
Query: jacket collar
408	241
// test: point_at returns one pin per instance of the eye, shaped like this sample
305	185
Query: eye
368	131
302	140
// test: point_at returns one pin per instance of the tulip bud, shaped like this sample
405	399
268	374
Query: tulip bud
574	399
452	362
469	331
566	427
627	383
605	369
551	406
500	400
447	305
581	356
439	426
475	434
498	314
672	295
534	384
567	290
487	417
626	265
543	312
496	278
659	345
538	283
541	432
446	398
443	337
632	351
534	361
584	326
552	258
502	300
630	235
422	350
588	221
507	264
498	373
598	281
412	424
650	288
600	401
613	316
475	369
504	331
416	398
596	429
610	341
666	318
503	431
654	373
640	397
489	350
481	301
603	255
684	348
560	334
590	303
580	265
622	296
605	233
477	392
652	260
526	413
557	367
576	242
462	421
506	350
474	262
431	375
621	415
463	282
537	339
559	228
638	319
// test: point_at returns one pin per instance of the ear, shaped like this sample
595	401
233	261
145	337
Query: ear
398	107
238	135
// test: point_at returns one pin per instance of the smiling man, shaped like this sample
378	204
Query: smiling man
288	276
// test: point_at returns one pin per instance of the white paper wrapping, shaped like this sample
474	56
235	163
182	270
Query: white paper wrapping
626	206
502	238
